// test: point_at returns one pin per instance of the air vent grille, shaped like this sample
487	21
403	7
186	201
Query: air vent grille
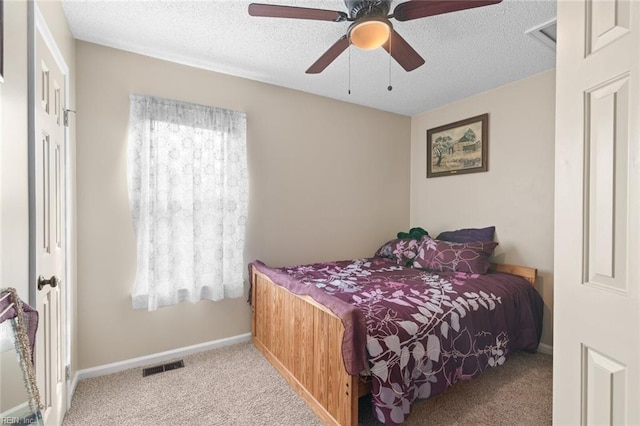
162	368
546	34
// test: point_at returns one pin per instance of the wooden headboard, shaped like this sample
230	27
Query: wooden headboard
525	272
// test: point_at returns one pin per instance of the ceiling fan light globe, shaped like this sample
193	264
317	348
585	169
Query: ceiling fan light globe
369	34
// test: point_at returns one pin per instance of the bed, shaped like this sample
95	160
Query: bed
339	330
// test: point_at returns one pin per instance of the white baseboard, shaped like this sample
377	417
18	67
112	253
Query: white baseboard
545	349
116	367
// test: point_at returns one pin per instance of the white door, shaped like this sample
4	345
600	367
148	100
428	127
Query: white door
596	370
49	231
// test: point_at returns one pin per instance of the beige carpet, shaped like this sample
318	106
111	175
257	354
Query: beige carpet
237	386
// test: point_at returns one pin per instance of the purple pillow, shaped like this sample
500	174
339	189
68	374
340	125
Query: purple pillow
402	251
439	255
468	235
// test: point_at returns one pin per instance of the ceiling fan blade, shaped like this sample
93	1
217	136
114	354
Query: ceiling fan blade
329	56
275	11
402	52
423	8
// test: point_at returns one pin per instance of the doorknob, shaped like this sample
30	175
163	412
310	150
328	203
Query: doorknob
53	282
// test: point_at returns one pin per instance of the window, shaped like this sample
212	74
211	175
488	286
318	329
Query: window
188	192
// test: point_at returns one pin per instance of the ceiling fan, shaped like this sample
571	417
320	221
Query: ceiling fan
370	26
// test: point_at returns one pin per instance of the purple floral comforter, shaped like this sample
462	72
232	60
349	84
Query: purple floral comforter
423	331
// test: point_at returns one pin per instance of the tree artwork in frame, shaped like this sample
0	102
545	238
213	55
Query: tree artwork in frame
458	148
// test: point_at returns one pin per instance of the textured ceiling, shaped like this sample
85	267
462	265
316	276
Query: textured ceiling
466	52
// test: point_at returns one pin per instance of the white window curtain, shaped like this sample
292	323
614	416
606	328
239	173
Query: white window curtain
188	192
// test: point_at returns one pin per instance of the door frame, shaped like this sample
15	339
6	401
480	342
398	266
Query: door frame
36	24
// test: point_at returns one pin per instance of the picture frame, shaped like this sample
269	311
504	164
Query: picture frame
458	148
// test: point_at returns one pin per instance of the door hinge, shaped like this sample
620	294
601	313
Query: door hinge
67	373
66	116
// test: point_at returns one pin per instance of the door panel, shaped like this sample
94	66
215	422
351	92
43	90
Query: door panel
597	195
49	229
607	115
607	21
603	389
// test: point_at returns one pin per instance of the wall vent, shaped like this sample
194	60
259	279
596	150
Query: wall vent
162	368
545	34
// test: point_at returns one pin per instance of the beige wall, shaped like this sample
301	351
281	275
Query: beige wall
515	195
14	225
14	202
328	180
13	157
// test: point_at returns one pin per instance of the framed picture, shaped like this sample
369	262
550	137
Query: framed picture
457	148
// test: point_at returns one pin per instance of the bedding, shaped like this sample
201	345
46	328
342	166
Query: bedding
468	235
417	332
436	255
402	250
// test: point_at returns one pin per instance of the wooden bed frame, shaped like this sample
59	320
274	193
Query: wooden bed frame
302	339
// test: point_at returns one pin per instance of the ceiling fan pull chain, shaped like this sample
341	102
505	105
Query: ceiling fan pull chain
389	87
349	89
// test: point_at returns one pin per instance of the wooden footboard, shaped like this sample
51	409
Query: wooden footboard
303	341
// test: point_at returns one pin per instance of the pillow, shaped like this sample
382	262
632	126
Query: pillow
439	255
402	251
468	235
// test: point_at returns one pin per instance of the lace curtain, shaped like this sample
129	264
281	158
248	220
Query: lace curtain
188	192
